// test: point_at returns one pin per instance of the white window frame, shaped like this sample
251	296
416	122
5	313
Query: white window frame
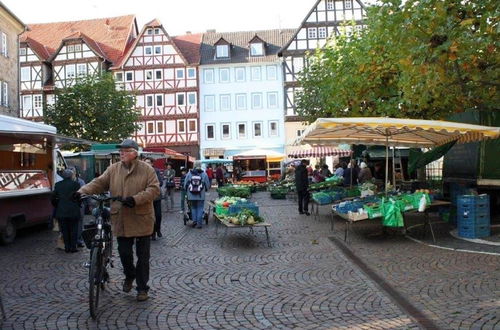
228	137
189	95
178	98
27	100
256	73
299	132
70	49
271	134
209	100
226	72
148	75
271	72
78	48
126	75
4	45
180	74
149	31
329	5
179	124
257	51
254	130
5	94
146	49
159	97
222	51
119	74
191	73
152	125
269	95
312	33
239	135
236	77
347	4
195	125
80	73
238	97
322	32
37	102
213	131
25	74
148	103
67	71
160	48
208	73
157	31
22	51
222	99
254	105
158	130
156	74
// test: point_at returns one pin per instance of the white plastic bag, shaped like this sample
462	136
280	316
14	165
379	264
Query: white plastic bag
422	204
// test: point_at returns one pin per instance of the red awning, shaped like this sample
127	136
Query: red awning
317	152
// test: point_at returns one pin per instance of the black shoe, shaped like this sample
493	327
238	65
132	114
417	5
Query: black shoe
199	226
127	285
300	212
307	213
194	224
153	237
159	234
74	251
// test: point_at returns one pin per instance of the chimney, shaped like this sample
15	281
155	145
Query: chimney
210	30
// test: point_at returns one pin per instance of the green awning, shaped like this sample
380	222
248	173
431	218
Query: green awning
418	159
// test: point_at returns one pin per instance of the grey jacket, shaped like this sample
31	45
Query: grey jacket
205	182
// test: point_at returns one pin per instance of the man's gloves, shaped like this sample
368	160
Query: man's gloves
76	197
128	202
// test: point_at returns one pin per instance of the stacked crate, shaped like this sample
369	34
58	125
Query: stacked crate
473	216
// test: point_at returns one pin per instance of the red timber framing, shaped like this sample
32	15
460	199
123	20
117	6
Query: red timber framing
326	18
164	80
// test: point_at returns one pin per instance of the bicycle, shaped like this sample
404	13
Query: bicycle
99	239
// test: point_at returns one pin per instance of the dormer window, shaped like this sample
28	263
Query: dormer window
257	49
222	51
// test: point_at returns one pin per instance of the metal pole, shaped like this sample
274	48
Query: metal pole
393	171
386	162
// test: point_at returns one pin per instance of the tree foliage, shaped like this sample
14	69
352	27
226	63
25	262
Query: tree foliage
418	59
95	110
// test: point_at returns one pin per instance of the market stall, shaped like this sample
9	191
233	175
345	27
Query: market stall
258	164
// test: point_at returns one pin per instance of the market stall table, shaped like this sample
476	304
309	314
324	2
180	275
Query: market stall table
228	226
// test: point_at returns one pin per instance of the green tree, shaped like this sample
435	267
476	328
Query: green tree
95	110
418	59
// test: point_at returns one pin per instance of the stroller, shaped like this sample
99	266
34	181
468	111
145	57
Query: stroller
187	216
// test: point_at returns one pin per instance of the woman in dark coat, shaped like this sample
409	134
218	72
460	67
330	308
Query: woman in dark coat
67	210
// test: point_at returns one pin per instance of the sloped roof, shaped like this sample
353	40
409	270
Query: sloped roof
39	49
189	45
240	53
110	35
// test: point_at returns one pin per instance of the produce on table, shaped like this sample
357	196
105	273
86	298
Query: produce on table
243	218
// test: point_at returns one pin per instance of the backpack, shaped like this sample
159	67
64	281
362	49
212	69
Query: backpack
196	183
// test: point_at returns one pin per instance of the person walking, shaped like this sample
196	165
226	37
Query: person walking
169	186
210	173
132	219
156	202
196	184
183	190
302	186
67	209
219	176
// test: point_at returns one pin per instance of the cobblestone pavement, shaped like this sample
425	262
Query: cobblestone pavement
303	281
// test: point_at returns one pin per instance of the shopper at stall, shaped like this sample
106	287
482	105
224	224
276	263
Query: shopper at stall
339	170
302	186
325	171
169	186
196	185
351	174
317	176
365	174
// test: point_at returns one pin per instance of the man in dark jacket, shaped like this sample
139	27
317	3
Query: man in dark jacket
302	186
67	210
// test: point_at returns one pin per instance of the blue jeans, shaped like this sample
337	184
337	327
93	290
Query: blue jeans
197	211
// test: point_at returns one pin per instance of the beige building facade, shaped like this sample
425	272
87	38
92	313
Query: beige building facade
10	28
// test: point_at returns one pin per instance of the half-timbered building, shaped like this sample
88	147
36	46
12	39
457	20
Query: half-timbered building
54	55
162	71
326	18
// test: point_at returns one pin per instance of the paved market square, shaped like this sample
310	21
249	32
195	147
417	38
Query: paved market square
307	279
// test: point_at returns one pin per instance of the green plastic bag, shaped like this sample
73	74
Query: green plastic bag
392	214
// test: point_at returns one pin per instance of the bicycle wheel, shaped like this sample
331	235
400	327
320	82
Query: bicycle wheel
95	280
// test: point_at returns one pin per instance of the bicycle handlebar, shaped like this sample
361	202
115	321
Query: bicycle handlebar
101	198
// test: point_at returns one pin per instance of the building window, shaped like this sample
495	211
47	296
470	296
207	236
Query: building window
299	132
181	99
78	48
37	101
149	31
159	100
239	74
129	76
224	75
151	128
157	50
329	5
119	76
210	129
256	101
272	72
22	51
226	132
70	71
273	128
27	102
179	73
347	4
225	102
4	45
148	50
181	126
191	73
81	69
208	76
149	75
71	48
256	74
149	100
158	74
191	125
242	131
257	129
272	100
191	96
312	33
157	31
257	49
322	32
209	103
222	51
25	73
241	101
159	127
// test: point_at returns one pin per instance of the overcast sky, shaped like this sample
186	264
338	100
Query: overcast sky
177	16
